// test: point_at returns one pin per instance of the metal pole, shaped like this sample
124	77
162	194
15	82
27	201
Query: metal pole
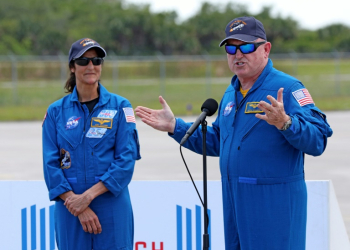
208	76
337	72
295	63
14	73
64	67
162	72
206	242
115	74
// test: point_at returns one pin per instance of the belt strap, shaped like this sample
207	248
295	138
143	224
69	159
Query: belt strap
267	181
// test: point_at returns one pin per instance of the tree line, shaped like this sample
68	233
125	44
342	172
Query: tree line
36	27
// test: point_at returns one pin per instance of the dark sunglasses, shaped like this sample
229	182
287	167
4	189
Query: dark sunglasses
244	48
83	61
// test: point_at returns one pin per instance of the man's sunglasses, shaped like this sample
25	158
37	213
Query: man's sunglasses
245	48
83	61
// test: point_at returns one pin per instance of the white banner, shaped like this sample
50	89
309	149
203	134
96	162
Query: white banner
168	215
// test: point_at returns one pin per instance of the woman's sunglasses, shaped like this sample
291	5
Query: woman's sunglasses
83	61
244	48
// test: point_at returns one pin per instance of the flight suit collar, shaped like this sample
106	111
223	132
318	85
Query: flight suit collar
103	99
236	84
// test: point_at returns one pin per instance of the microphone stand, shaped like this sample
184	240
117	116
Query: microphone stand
206	222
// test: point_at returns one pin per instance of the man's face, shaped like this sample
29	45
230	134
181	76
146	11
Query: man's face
248	66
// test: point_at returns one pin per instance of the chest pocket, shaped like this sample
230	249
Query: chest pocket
68	138
254	124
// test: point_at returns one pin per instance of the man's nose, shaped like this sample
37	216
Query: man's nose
239	54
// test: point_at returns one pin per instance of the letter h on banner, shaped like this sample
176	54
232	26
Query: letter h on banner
42	228
189	228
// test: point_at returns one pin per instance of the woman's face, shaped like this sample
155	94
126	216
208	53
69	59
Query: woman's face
89	74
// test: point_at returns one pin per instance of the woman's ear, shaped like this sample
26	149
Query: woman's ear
72	69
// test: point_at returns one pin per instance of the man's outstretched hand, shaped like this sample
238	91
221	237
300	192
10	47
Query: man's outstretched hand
161	119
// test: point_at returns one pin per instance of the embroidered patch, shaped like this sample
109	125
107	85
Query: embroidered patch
303	97
44	119
228	108
65	159
72	122
252	107
101	122
237	25
107	114
129	115
96	132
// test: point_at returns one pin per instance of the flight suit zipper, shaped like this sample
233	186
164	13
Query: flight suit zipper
84	140
232	137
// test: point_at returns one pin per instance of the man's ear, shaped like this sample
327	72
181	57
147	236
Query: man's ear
267	49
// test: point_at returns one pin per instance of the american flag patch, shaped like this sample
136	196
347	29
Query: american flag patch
129	115
303	97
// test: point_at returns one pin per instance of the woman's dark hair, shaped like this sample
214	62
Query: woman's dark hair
70	83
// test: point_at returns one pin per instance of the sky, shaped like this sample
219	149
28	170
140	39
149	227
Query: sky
310	14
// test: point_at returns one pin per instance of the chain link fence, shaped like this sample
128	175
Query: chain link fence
185	81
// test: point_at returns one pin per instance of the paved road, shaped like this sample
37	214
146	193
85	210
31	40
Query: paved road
21	157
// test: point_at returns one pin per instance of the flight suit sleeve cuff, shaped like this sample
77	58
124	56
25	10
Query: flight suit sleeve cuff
54	194
294	127
180	130
111	184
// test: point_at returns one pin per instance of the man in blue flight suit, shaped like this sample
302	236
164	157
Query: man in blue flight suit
90	145
266	122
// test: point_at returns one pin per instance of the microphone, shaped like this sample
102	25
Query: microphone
208	108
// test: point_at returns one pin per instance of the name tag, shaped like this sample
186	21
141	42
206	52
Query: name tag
97	122
96	132
252	107
107	114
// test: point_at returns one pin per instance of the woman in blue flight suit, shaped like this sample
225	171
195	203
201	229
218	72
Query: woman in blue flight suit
90	145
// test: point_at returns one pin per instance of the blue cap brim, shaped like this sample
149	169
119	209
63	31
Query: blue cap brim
93	46
241	37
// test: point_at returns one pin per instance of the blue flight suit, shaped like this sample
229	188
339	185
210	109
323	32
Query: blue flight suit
262	168
81	149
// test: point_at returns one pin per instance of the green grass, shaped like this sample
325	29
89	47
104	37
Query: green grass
185	83
32	102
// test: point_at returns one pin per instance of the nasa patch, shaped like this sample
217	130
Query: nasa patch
72	122
44	119
228	108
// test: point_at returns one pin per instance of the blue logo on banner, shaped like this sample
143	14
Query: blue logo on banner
42	228
189	228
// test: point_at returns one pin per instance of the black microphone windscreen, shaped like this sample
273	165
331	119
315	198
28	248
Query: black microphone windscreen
211	105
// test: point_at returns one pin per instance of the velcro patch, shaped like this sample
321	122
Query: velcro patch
96	132
303	97
129	115
107	114
65	159
252	107
101	122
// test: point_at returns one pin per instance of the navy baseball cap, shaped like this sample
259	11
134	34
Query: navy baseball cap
81	46
246	29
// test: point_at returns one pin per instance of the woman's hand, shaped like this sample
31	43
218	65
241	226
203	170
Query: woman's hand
77	203
90	221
